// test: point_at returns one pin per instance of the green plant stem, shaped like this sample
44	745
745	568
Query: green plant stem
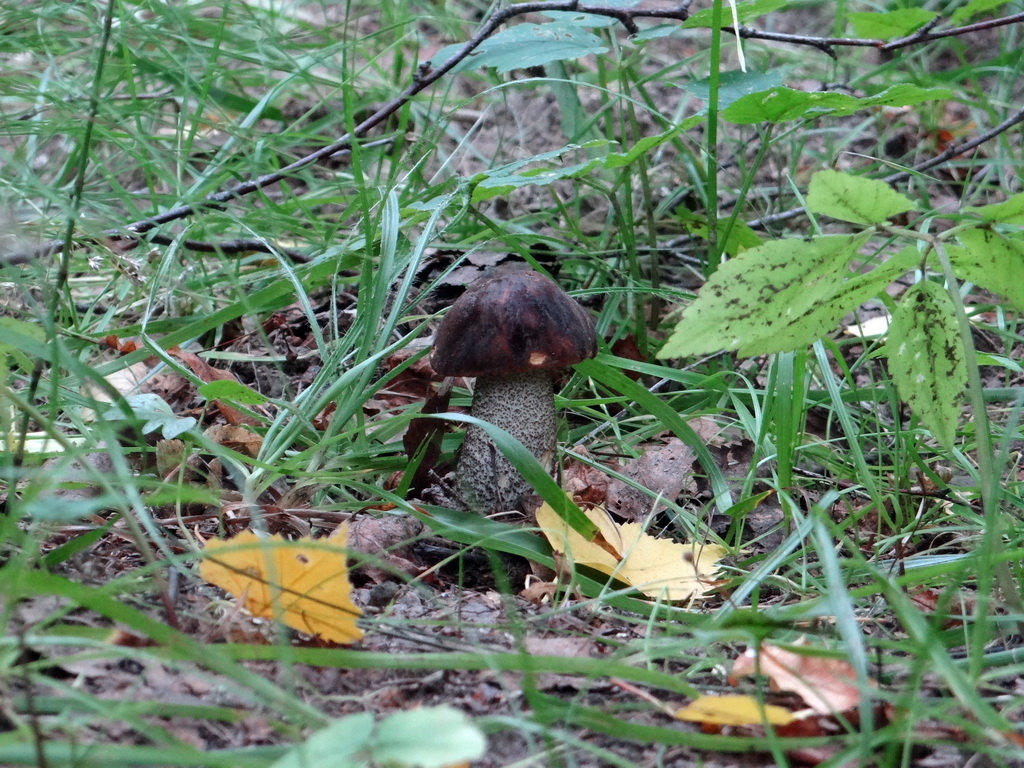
711	182
64	268
989	486
83	162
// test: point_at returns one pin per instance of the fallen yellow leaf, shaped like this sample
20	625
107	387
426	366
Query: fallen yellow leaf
733	710
302	583
658	568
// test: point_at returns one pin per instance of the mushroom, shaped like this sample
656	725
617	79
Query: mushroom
513	330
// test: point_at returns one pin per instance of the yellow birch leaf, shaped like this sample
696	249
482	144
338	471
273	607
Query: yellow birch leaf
303	584
658	568
733	710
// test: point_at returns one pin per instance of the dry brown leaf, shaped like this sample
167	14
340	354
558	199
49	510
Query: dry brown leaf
208	373
828	686
733	710
586	483
303	583
235	437
658	568
664	469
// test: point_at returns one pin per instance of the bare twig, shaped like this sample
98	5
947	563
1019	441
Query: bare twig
824	44
956	150
922	35
127	243
949	153
925	34
226	247
426	75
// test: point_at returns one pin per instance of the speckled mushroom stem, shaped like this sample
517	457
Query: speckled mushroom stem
523	404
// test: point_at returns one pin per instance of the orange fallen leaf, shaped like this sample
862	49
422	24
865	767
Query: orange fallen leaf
733	710
235	437
303	583
208	373
828	686
658	568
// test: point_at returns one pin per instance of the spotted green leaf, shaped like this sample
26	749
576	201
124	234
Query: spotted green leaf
1010	211
778	296
926	358
993	261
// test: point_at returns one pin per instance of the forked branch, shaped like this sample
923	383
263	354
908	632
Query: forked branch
426	75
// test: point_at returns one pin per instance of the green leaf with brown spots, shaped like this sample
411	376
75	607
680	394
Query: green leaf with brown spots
854	198
993	261
779	296
1010	211
926	358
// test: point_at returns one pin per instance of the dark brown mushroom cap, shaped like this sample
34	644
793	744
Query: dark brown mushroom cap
513	321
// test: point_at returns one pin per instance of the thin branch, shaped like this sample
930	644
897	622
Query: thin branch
128	242
959	149
228	247
925	34
949	153
922	35
426	76
225	247
824	44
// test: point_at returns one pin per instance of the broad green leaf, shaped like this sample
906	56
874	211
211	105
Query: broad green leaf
155	414
231	390
431	737
342	744
890	24
812	320
736	84
781	104
993	261
745	11
1010	211
777	296
527	45
854	198
974	8
581	19
926	358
